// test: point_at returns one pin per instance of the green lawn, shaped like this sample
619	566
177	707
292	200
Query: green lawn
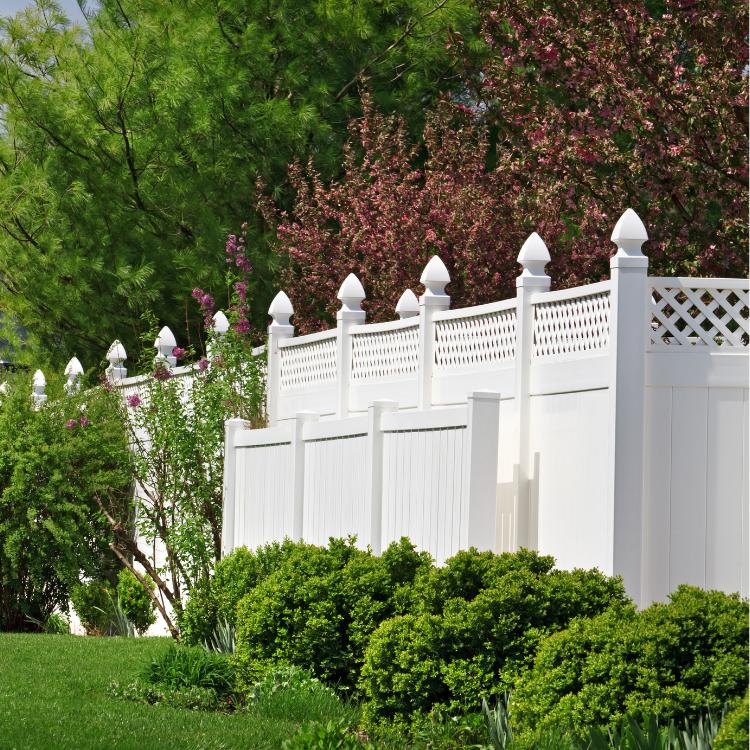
53	696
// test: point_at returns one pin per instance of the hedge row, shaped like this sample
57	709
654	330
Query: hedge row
406	637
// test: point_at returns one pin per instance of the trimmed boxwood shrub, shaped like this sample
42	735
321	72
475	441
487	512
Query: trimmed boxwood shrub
672	660
236	575
135	600
476	624
733	733
318	609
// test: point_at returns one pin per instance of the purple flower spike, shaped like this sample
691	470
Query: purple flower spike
178	352
202	364
71	424
134	401
84	421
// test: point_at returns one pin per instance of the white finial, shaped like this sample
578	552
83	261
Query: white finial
164	343
281	310
3	389
351	294
38	394
407	305
629	235
435	277
221	324
116	356
534	256
73	371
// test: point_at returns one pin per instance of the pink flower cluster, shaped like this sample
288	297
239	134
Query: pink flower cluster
161	373
71	424
133	401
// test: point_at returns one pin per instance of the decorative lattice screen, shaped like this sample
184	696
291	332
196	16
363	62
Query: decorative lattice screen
385	354
698	316
475	340
308	363
571	325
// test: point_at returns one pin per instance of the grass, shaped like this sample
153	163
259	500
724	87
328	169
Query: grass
54	696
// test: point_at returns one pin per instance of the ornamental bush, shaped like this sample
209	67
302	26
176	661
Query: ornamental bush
318	609
672	660
733	733
235	575
56	464
475	625
92	602
135	600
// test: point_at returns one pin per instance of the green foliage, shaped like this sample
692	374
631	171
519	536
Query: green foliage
733	733
215	602
187	667
56	624
671	660
332	735
131	149
135	600
56	464
92	602
192	697
318	609
476	627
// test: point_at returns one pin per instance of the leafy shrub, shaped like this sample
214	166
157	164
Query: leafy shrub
92	602
186	667
56	624
672	660
733	733
318	609
475	625
55	462
331	735
193	698
215	603
135	601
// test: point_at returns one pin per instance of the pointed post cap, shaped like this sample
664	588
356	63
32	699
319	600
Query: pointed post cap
351	294
165	338
74	368
629	235
221	324
435	277
281	309
39	380
116	353
534	256
408	305
164	344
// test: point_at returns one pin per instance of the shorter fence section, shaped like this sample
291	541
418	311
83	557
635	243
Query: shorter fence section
430	475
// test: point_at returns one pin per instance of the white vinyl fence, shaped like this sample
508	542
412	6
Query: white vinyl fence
606	425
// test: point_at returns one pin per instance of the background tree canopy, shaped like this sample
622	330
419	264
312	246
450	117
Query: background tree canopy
128	151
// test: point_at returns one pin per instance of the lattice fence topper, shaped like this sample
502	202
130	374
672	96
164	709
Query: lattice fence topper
571	325
475	340
698	316
385	354
304	364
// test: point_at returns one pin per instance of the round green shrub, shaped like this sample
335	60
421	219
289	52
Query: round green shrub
135	600
318	609
455	650
671	660
235	575
733	732
92	602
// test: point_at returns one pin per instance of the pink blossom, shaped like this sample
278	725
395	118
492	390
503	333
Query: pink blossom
84	421
178	352
202	364
71	424
134	401
161	373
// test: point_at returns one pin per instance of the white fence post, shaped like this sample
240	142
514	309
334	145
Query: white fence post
435	277
164	344
351	294
280	311
534	256
374	454
479	508
229	512
73	371
628	323
116	355
298	471
220	326
39	384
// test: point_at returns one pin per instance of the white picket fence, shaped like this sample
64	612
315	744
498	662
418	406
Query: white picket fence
606	425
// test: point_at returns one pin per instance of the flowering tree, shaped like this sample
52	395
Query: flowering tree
579	110
176	428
